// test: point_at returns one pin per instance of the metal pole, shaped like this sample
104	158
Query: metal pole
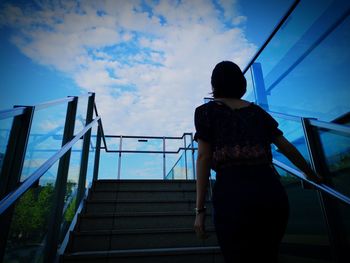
56	215
329	205
12	167
120	155
164	160
193	163
185	155
97	153
85	151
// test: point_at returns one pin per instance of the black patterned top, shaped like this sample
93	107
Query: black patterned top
237	136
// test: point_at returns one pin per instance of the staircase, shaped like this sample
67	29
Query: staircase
140	221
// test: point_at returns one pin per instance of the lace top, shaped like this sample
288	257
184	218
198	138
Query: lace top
237	137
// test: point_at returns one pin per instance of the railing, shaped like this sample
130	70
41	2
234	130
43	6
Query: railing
37	198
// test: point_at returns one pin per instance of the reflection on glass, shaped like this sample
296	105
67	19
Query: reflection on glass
293	131
336	148
45	137
304	69
5	129
306	229
80	118
71	188
29	225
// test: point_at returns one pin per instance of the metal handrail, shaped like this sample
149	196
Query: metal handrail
4	114
330	126
278	26
13	196
321	187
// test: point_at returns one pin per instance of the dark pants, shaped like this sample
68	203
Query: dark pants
250	214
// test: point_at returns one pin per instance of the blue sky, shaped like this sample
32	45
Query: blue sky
149	62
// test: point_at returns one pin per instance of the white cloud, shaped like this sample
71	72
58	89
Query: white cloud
149	69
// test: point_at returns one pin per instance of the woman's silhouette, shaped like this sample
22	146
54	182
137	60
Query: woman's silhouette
234	138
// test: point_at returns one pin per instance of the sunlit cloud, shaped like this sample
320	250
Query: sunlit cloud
149	62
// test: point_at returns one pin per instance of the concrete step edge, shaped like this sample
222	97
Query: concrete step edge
144	181
133	201
139	214
139	231
146	252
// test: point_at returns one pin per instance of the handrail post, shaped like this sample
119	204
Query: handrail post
193	163
164	159
12	167
120	156
56	215
97	153
85	150
328	204
185	144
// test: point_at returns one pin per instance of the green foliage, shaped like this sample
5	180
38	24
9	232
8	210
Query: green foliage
31	215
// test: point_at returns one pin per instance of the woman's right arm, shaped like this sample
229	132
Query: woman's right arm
296	158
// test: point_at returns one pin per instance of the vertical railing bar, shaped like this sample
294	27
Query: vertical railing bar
164	160
120	156
12	167
56	215
85	150
97	154
328	205
185	145
193	163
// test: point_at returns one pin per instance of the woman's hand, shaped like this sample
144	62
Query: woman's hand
199	226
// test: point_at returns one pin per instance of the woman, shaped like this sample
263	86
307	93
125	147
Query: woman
234	138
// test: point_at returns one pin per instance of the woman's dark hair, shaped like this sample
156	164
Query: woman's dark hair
228	81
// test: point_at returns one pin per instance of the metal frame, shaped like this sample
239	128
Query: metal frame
60	186
85	150
12	166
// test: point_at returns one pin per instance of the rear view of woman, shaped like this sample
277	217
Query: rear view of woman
234	138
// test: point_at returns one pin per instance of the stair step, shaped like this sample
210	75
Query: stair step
185	195
144	185
156	205
169	255
134	220
138	239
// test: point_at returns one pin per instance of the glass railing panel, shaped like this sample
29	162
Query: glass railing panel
190	161
5	129
301	61
113	143
142	144
80	118
141	166
249	95
108	167
336	148
306	235
45	137
71	188
91	161
29	225
293	131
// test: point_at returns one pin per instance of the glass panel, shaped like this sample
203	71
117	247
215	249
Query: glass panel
306	235
336	147
71	188
305	66
141	166
29	225
142	144
91	161
249	95
45	137
293	131
5	129
112	143
80	118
